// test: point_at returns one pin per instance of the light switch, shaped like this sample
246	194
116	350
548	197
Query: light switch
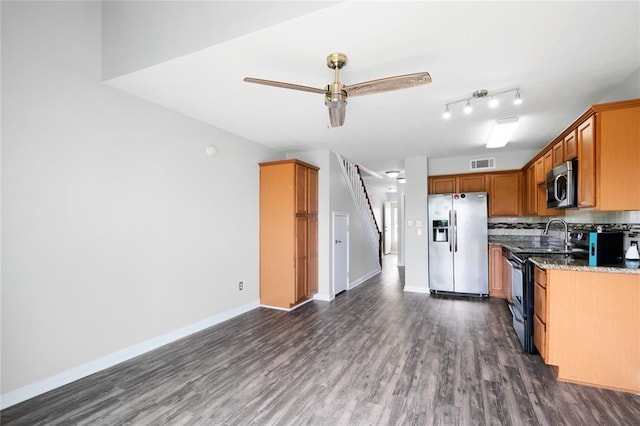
418	223
419	231
409	223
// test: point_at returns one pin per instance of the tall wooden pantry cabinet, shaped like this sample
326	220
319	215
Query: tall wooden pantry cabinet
288	233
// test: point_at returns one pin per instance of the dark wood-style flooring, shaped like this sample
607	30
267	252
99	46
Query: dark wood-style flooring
373	356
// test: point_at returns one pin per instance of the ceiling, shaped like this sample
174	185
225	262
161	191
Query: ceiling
564	56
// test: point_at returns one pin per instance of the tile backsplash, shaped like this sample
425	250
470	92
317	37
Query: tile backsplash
579	220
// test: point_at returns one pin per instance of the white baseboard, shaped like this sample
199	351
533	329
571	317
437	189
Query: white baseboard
357	282
416	289
323	297
84	370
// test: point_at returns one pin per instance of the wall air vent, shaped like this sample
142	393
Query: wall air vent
483	163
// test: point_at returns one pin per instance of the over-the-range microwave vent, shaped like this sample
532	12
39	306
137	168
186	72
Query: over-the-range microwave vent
483	163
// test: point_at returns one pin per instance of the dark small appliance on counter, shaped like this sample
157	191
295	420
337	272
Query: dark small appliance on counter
600	248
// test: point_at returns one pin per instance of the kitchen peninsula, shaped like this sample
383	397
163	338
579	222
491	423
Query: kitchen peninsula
586	322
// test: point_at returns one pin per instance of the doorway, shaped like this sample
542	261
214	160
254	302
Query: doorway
340	259
390	227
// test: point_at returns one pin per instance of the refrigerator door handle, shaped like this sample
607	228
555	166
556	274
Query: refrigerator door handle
450	231
455	229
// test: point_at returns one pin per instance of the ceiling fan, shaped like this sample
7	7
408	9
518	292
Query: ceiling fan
336	93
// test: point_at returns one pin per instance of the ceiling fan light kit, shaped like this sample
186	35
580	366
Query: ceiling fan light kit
479	94
336	93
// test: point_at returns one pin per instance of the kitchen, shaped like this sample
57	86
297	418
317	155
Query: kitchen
600	259
94	194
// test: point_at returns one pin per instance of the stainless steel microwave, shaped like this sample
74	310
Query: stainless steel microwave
562	185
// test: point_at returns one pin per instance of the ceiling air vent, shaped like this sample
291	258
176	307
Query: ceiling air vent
483	163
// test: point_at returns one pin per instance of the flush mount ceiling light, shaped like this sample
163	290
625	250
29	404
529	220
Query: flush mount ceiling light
402	180
502	131
478	94
393	173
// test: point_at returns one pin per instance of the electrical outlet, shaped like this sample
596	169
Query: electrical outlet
240	285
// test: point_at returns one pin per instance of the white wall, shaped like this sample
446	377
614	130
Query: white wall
416	254
628	89
176	28
116	227
504	160
362	262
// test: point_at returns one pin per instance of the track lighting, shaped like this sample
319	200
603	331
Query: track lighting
494	100
518	99
446	114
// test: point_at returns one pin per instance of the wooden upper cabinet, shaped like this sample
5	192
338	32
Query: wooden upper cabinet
558	153
617	157
505	194
570	146
586	141
471	182
442	185
302	195
530	191
548	162
540	173
312	193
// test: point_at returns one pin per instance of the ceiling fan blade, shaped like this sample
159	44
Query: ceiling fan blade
285	85
389	83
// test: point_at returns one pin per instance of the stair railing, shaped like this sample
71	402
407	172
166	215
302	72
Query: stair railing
358	191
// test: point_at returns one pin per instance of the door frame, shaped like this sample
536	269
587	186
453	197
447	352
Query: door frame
333	252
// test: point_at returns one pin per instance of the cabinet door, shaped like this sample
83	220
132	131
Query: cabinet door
443	185
558	153
531	191
586	140
540	173
472	183
548	162
301	258
505	195
312	191
570	146
302	197
312	258
540	337
496	286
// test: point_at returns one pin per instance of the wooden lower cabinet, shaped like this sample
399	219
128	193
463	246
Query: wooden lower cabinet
540	312
288	233
588	326
497	287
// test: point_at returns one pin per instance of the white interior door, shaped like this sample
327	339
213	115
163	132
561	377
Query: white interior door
340	252
390	229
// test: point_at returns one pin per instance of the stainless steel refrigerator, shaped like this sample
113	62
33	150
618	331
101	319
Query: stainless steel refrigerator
458	251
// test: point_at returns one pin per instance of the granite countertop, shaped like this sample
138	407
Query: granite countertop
561	261
569	263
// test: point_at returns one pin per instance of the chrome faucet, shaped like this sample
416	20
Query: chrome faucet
567	244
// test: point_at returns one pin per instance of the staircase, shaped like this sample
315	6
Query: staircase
360	197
